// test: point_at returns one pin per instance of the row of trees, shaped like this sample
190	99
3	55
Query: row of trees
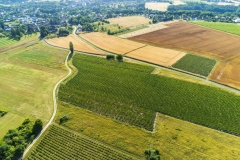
15	141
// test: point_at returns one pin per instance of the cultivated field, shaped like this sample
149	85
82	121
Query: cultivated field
156	55
78	44
158	6
129	21
196	64
141	94
59	143
200	40
176	139
194	39
111	43
28	73
225	27
6	41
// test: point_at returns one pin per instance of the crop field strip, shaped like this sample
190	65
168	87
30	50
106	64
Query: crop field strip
59	143
130	94
6	41
79	45
196	64
226	27
129	21
156	55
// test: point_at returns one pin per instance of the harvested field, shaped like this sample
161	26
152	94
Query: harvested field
111	43
130	21
151	28
227	73
203	41
161	56
78	44
158	6
193	38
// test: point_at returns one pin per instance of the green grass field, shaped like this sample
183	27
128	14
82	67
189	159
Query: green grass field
196	64
27	82
59	143
175	138
225	27
6	41
129	93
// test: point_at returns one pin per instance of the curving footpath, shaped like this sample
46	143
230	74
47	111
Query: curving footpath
55	107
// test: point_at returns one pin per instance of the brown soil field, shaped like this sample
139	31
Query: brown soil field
129	21
203	41
160	56
78	44
111	43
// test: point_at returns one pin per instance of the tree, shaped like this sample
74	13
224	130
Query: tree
71	48
43	31
2	24
152	154
37	127
13	32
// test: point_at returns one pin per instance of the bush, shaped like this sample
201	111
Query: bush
64	119
152	154
119	57
109	57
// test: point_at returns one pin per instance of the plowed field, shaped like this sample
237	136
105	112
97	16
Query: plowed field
161	56
111	43
200	40
78	44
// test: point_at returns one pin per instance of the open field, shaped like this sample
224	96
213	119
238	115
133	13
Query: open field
111	43
161	6
78	44
59	143
176	139
203	41
151	28
28	73
100	92
196	64
225	27
156	55
192	38
129	21
6	41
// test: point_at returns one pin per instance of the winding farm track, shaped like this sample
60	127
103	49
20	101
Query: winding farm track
227	88
55	106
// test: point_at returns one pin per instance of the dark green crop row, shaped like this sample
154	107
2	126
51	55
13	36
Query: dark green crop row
196	64
129	93
61	144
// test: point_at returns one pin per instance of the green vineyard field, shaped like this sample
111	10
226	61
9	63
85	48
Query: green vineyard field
59	144
196	64
225	27
129	93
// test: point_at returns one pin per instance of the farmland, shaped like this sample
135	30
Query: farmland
203	41
176	139
107	89
225	27
6	41
196	64
156	55
129	21
63	42
111	43
194	39
28	72
59	143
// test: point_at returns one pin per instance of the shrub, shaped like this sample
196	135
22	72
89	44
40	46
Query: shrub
109	57
119	57
64	119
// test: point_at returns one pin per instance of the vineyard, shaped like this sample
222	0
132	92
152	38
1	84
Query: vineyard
196	64
129	93
225	27
61	144
6	42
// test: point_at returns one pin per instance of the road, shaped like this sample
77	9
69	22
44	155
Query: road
54	109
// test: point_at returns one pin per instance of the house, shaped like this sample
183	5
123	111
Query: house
79	28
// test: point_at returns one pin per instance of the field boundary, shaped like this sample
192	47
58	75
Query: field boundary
134	50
